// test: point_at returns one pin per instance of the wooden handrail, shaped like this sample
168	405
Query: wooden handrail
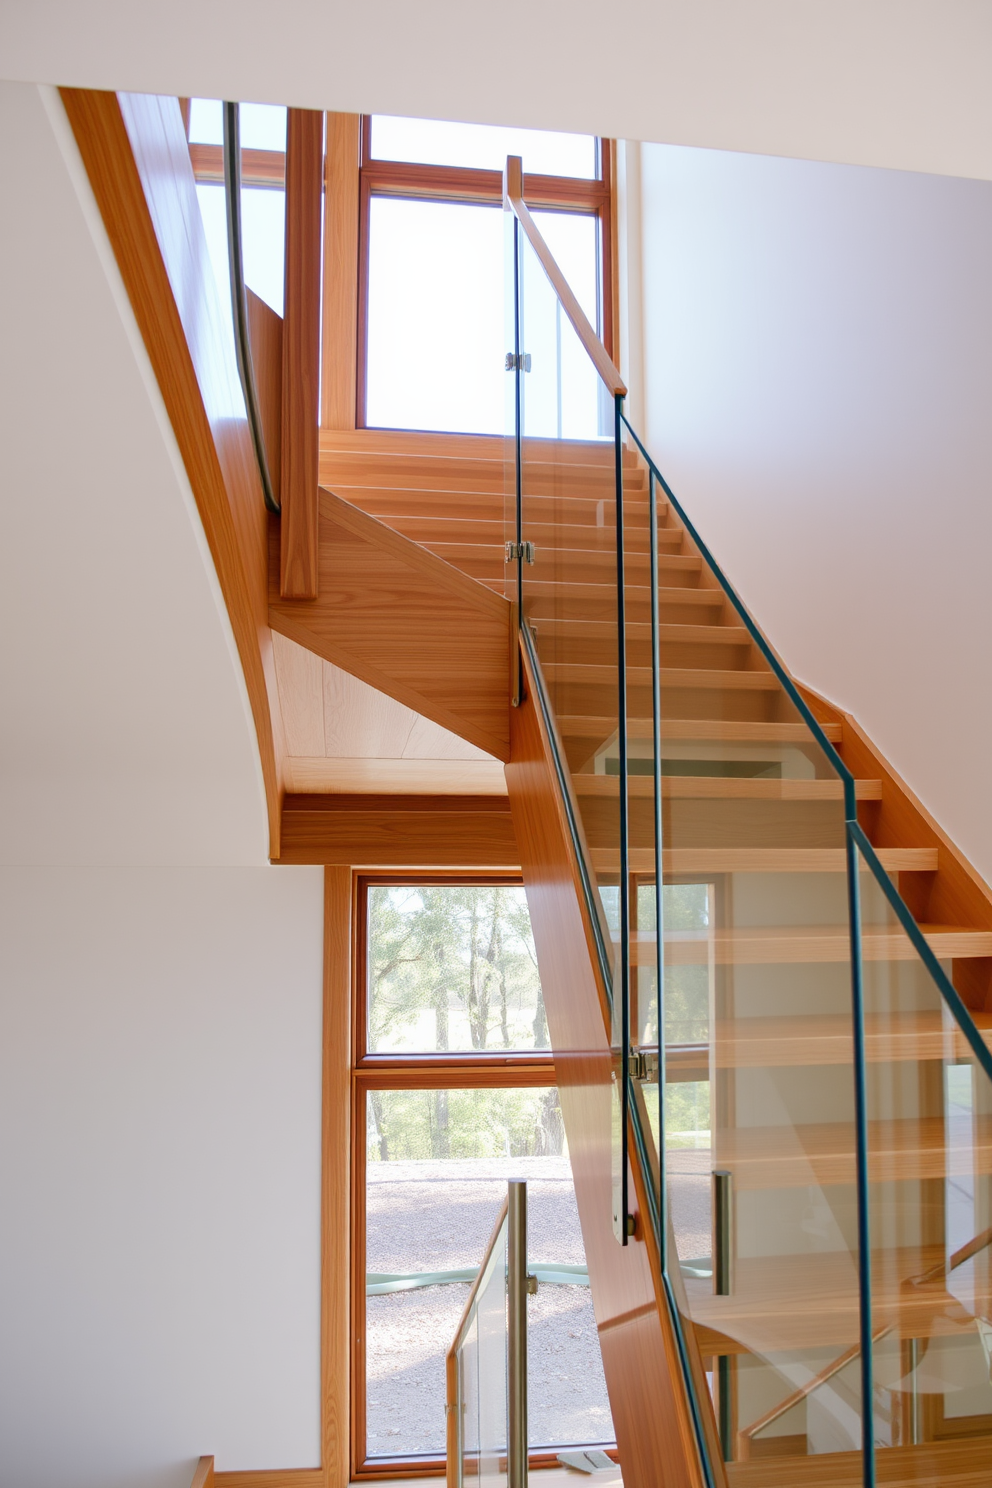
513	199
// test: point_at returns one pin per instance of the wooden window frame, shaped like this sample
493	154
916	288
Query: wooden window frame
449	1070
592	197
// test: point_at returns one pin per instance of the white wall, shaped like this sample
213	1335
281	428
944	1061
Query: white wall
882	82
818	389
160	986
125	731
160	1173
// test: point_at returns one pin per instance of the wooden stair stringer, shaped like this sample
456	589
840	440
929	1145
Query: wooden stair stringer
404	621
955	893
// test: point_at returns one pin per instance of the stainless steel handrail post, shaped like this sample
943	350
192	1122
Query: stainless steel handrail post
516	1337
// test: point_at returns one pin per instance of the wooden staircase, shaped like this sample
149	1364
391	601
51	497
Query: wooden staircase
743	800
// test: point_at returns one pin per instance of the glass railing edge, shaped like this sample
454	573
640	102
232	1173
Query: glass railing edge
561	773
655	1217
795	696
944	985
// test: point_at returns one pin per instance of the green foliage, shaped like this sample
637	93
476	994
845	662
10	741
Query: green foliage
406	1125
452	967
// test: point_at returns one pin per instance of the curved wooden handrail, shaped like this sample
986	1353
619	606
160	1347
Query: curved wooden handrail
513	199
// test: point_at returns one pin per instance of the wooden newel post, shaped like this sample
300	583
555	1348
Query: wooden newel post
301	354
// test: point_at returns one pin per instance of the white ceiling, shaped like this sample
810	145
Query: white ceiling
124	728
901	83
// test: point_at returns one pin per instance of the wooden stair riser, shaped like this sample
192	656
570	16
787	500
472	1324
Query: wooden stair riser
600	699
469	527
717	824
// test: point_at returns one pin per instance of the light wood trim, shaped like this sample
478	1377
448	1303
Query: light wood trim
135	153
403	777
964	1463
407	623
264	169
401	832
265	339
513	198
707	860
339	893
301	354
300	1477
340	309
724	788
203	1477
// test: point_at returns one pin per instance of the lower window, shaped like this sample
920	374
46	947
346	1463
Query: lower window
437	1137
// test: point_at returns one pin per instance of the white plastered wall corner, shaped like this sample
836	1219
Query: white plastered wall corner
160	985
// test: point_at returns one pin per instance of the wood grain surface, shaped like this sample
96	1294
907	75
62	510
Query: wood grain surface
400	831
340	301
135	153
405	622
265	335
335	1269
301	353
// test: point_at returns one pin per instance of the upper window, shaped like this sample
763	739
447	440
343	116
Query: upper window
452	967
483	146
432	335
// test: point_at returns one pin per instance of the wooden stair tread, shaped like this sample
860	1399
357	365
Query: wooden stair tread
671	677
640	630
787	1302
824	1153
705	730
825	1038
725	788
957	1464
800	944
707	860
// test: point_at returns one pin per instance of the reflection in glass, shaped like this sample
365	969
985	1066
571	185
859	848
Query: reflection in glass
483	146
929	1130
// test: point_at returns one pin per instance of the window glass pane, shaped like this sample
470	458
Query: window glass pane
435	317
263	218
483	146
573	238
263	125
263	222
437	1166
452	967
206	121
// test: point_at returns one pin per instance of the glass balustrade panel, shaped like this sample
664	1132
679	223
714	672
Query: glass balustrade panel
930	1170
754	1021
482	1375
569	569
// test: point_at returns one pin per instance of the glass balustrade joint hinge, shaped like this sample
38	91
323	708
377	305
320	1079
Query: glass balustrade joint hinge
516	363
522	550
531	1284
644	1066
